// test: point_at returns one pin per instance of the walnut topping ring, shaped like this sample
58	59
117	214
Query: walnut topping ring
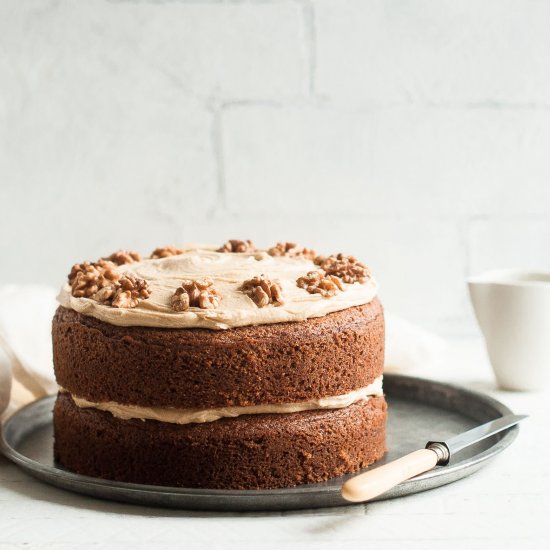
86	279
166	251
263	291
318	282
346	268
121	257
292	250
234	245
200	293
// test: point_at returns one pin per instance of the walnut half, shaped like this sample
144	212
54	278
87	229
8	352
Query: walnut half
126	293
292	250
103	282
318	282
200	293
234	245
263	291
130	291
347	268
122	257
166	251
86	279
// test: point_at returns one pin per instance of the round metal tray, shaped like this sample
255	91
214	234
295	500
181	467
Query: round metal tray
419	410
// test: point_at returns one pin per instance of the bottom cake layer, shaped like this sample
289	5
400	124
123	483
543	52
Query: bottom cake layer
263	451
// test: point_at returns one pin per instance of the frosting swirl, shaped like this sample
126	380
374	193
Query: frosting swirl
227	271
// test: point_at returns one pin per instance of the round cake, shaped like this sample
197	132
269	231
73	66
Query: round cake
224	368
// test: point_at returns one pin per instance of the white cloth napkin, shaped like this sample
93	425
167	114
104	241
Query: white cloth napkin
26	369
411	349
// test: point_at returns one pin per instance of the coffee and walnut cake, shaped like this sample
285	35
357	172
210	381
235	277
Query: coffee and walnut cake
222	367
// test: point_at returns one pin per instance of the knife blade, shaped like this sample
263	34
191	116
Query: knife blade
377	481
477	434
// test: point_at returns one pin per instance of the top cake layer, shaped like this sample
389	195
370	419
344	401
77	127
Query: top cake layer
231	277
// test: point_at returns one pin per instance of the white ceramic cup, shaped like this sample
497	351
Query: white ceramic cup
513	311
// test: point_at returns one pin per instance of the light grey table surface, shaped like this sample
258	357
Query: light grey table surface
505	505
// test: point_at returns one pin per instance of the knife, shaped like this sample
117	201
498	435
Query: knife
370	484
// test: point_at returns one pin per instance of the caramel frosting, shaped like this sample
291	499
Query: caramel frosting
188	416
228	271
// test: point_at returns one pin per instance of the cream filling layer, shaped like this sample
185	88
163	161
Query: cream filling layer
189	416
228	271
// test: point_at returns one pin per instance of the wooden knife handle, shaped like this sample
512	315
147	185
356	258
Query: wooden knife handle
375	482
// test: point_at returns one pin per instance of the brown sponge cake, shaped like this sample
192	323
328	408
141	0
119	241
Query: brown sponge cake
220	368
282	362
227	454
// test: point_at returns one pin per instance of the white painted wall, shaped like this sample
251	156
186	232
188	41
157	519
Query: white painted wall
415	134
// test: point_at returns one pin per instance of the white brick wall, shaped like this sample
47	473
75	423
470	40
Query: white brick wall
514	242
414	134
433	50
297	160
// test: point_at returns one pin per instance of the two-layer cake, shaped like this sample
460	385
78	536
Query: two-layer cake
221	368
